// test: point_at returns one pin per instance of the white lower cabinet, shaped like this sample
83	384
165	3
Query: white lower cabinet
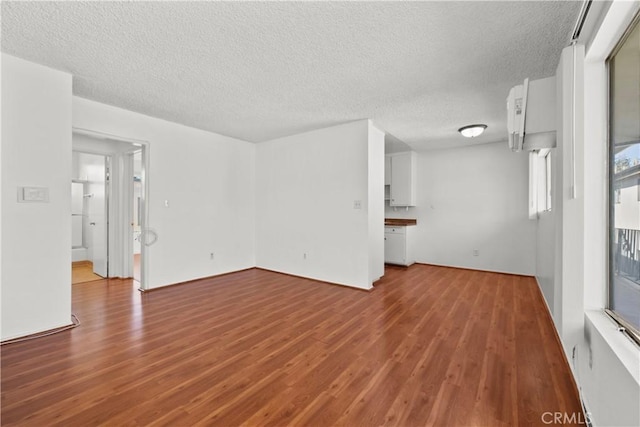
397	245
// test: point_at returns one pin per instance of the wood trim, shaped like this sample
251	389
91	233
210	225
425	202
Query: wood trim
400	221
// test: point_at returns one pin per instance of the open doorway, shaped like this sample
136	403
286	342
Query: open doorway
109	192
89	202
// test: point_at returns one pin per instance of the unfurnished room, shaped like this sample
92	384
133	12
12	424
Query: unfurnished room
320	213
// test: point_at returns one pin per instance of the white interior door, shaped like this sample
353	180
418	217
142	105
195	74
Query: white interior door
96	174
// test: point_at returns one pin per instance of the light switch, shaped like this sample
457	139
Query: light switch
166	203
33	194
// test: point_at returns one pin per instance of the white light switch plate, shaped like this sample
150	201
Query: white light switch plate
33	194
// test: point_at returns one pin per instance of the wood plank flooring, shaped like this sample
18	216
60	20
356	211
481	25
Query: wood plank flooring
428	346
82	271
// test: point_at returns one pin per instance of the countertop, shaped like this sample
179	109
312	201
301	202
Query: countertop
400	222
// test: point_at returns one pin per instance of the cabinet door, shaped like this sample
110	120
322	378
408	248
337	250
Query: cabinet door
394	248
402	179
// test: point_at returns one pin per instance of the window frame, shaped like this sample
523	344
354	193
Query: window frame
632	331
540	185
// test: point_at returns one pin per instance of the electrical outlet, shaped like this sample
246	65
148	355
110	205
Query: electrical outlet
476	252
357	204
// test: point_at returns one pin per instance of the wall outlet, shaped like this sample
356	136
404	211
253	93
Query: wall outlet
476	252
357	204
212	255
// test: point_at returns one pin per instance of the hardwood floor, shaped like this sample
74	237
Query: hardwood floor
82	271
428	346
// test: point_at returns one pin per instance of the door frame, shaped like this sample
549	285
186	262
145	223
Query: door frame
144	146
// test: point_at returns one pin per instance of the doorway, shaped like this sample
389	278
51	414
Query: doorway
89	202
110	174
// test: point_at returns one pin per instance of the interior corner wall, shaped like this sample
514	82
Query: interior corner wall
546	243
306	187
473	198
201	193
36	237
375	206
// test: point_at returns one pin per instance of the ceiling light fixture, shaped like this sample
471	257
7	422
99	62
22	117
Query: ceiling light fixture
471	131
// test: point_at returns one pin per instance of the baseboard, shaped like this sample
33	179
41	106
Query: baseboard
84	263
476	269
315	280
39	334
549	315
193	280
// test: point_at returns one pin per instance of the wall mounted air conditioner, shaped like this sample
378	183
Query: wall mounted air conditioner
531	115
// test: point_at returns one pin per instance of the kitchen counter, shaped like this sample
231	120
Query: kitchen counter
399	222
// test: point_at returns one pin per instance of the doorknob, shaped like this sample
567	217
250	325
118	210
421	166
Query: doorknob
92	223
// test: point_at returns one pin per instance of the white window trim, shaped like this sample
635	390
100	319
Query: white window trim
617	20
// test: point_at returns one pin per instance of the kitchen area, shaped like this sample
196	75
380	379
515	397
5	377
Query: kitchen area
400	193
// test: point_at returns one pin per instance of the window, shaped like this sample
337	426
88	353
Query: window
547	181
539	182
624	180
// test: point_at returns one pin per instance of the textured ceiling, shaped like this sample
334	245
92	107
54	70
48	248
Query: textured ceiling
256	71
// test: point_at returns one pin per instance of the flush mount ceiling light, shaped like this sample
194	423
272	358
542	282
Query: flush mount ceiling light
471	131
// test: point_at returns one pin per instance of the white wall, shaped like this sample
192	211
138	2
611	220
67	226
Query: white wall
306	185
375	206
208	181
36	237
473	198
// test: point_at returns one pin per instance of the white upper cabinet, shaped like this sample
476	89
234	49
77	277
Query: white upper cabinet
403	179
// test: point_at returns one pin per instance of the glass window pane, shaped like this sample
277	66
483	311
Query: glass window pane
624	286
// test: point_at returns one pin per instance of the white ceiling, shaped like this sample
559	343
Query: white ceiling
257	71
